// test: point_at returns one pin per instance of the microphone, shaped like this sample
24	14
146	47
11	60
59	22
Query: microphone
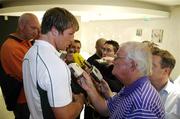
77	67
81	65
79	59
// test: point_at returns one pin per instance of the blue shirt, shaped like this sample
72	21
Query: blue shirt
137	101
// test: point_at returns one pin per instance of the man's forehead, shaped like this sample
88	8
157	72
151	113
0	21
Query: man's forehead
108	45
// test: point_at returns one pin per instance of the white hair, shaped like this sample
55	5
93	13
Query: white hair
140	54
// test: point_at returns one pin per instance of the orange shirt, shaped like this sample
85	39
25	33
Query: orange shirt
12	54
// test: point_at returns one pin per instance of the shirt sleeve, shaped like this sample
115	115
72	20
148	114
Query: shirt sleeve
13	54
175	111
142	114
57	82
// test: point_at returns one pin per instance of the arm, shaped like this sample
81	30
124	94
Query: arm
13	57
145	114
97	100
105	89
171	116
64	104
174	112
71	110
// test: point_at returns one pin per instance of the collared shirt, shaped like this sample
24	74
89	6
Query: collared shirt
138	101
12	54
170	96
44	71
177	81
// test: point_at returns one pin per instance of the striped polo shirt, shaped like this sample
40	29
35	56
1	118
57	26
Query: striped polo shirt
140	100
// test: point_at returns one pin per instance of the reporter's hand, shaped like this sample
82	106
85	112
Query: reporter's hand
69	58
104	89
86	83
109	60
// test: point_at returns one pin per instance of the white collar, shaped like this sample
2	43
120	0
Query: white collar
45	43
168	87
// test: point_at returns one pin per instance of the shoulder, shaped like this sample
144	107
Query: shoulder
147	95
93	57
9	43
147	88
173	91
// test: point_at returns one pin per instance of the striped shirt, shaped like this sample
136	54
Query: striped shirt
137	101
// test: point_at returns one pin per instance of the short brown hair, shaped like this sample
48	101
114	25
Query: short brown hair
59	18
167	59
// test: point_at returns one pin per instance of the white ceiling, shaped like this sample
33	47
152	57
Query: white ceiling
96	9
163	2
92	12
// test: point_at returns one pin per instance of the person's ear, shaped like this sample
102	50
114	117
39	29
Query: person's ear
167	71
133	65
21	26
54	31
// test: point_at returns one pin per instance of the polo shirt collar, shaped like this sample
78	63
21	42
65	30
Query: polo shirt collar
132	87
45	43
168	87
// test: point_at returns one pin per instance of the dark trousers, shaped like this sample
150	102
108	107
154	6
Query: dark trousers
90	113
21	111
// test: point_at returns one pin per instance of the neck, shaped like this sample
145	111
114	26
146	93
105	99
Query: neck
160	85
48	39
131	80
20	36
98	54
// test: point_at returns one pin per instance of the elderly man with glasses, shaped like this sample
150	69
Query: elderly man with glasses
138	99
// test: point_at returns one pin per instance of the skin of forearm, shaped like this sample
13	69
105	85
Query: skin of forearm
70	111
98	102
76	108
78	103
